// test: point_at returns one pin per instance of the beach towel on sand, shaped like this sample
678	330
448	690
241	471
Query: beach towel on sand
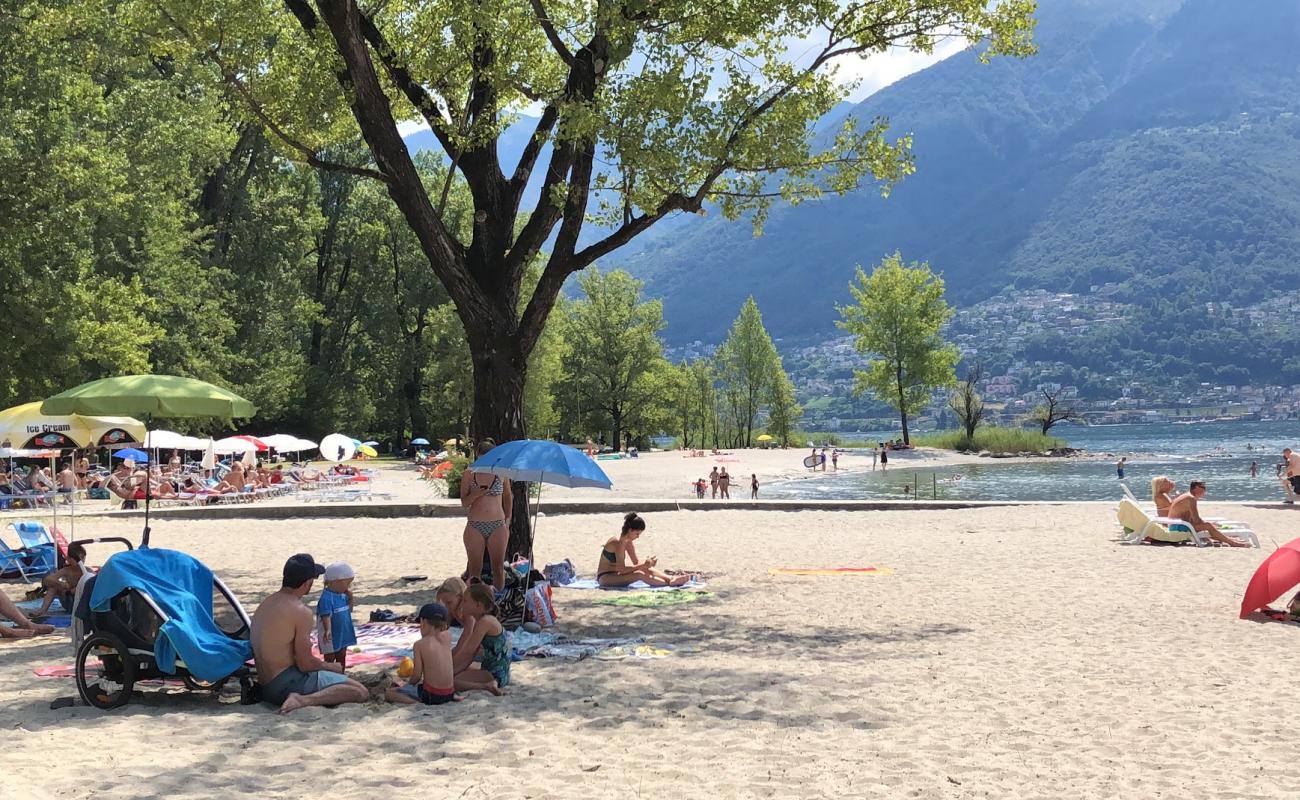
653	599
834	571
182	588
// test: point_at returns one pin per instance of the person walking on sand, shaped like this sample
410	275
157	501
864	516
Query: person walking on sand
753	486
1291	478
713	482
884	458
875	456
724	484
1119	466
290	675
835	459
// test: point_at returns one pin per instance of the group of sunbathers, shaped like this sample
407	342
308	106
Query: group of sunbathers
1184	507
292	677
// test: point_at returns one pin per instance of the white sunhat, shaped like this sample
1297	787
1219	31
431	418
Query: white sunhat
338	571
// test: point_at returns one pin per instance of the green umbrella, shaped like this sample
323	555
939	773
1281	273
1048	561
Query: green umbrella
149	396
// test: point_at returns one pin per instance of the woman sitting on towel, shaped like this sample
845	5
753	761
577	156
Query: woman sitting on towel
1162	494
618	565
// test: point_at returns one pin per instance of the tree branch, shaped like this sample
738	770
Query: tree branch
625	233
528	159
308	154
552	35
401	77
373	114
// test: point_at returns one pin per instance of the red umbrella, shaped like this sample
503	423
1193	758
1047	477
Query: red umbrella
1279	573
256	442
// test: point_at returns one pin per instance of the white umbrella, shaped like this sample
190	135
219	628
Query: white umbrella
165	440
337	447
250	458
210	455
281	441
194	443
233	444
306	446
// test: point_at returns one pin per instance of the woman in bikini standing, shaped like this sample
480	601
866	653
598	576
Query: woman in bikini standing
489	502
618	565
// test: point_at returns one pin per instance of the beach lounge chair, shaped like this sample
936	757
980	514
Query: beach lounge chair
1149	508
17	563
39	542
1139	526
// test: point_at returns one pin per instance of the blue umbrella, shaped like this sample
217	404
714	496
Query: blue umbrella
371	443
539	461
421	440
138	456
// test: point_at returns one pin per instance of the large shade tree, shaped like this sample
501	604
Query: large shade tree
645	108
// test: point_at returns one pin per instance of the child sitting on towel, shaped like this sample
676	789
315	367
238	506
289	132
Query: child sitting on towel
484	641
335	632
431	681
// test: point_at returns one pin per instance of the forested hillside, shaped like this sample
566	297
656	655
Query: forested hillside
1150	144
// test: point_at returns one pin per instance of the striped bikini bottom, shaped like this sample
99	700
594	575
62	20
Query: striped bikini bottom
486	527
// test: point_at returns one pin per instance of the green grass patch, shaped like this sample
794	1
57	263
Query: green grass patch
995	440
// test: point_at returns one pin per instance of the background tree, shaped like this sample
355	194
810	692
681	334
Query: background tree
1051	411
783	410
747	364
688	103
966	403
898	321
614	351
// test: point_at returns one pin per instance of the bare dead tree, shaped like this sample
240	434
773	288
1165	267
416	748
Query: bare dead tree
966	403
1051	411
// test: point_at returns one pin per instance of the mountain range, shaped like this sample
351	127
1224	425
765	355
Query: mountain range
1152	144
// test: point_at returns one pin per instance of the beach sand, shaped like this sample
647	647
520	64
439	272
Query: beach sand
1013	652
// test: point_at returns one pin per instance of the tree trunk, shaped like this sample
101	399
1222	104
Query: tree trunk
617	441
902	405
500	371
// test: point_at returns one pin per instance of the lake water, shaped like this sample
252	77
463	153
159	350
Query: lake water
1215	452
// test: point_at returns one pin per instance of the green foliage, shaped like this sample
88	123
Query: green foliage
748	365
897	322
613	357
991	438
783	410
459	464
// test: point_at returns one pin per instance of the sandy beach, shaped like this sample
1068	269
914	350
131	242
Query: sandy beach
1015	652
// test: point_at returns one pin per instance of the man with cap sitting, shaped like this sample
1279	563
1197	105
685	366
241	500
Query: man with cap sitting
290	675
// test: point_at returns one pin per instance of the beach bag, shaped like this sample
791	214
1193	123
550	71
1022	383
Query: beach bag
538	605
562	573
97	493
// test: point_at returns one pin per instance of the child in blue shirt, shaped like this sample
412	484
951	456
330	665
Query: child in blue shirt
334	631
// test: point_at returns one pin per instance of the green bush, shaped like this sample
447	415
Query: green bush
995	440
458	465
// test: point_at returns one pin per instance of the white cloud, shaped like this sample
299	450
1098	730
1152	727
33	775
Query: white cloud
882	69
